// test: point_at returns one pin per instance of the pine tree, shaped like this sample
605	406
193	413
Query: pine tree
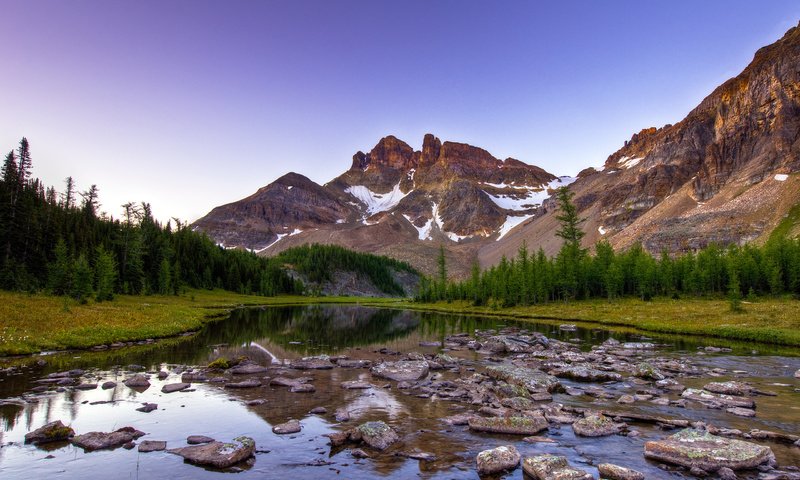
105	272
60	274
82	280
164	277
441	262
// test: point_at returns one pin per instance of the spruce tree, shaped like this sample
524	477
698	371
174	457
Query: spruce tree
82	280
60	273
105	272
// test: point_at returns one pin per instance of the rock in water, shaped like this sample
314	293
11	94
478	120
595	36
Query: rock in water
377	435
175	387
533	380
648	371
508	425
403	371
700	449
729	388
102	440
585	374
797	374
198	439
148	446
552	467
147	407
497	460
252	383
595	425
615	472
218	454
52	432
138	381
292	426
322	362
248	369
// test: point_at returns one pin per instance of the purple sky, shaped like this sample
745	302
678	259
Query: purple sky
191	104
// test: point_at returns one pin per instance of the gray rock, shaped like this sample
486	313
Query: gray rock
726	473
729	388
342	415
248	369
147	407
497	460
583	373
252	383
595	425
152	446
321	362
318	411
52	432
198	439
742	412
532	380
615	472
715	398
402	371
108	385
85	386
627	399
648	371
218	454
303	388
508	425
349	363
137	381
355	385
292	426
106	440
377	435
697	448
175	387
552	467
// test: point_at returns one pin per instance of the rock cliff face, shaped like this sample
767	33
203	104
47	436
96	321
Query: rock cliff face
725	174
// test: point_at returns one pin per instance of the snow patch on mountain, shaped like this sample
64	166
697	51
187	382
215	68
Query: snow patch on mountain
510	223
377	202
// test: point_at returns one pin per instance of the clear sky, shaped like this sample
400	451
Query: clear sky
191	104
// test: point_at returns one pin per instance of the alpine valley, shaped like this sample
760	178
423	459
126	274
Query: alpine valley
725	174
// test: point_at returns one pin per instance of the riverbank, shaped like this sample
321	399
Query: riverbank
35	323
768	320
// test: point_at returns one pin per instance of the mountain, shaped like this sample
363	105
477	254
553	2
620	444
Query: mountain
724	174
393	201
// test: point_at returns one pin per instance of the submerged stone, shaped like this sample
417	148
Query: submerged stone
377	435
497	460
700	449
292	426
322	362
218	454
552	467
508	425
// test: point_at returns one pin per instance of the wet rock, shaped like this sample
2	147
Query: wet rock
248	369
175	387
402	371
337	439
583	373
615	472
52	432
729	388
355	385
519	403
103	440
627	399
377	435
286	381
359	453
742	412
162	375
342	415
714	398
322	362
318	411
696	448
255	402
348	363
198	439
152	446
726	473
497	460
595	425
218	454
85	386
108	385
417	455
552	467
147	407
774	436
292	426
509	425
533	380
137	381
194	377
458	419
252	383
648	371
303	388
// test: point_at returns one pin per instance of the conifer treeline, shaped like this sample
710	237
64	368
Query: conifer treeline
54	242
573	274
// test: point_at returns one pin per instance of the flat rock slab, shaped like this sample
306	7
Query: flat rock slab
292	426
729	388
147	407
198	439
303	388
349	363
533	380
377	435
106	440
725	400
552	467
52	432
148	446
248	369
741	412
245	384
508	425
586	374
355	385
175	387
497	460
218	454
312	363
595	425
615	472
402	371
700	449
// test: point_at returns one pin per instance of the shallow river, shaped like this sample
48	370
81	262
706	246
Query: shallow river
277	335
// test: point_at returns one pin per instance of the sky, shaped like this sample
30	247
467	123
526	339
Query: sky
190	104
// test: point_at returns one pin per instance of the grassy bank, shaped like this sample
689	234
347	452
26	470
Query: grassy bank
768	320
32	323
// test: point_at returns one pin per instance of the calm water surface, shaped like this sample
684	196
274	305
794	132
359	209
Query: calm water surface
276	335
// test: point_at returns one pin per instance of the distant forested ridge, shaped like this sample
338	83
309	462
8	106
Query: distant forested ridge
574	274
60	243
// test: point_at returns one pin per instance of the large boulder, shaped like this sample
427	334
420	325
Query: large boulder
52	432
218	454
497	460
377	435
137	382
508	425
403	371
532	380
105	440
552	467
700	449
595	425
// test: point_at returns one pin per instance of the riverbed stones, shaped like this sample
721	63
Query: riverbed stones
497	460
595	424
531	379
342	415
692	448
218	454
647	371
377	435
107	385
147	407
615	472
198	439
148	446
729	388
251	383
248	369
515	425
175	387
292	426
106	440
718	399
402	371
582	373
52	432
741	412
302	388
552	467
322	362
137	382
